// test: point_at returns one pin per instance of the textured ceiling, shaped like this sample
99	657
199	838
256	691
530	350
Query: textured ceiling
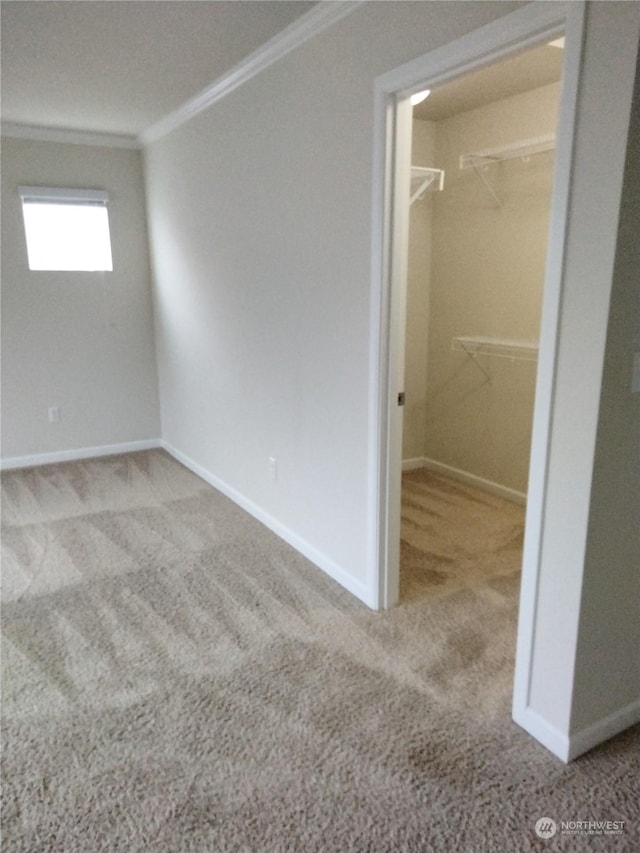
118	67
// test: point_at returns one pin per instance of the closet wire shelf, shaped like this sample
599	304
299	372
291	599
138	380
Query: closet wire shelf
525	148
514	150
514	350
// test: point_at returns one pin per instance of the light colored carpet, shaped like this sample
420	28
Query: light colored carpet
454	535
176	678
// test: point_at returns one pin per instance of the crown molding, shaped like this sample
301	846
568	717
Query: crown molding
320	18
13	130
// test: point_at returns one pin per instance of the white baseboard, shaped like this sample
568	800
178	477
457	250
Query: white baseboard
568	747
465	477
336	572
604	729
546	734
414	464
56	456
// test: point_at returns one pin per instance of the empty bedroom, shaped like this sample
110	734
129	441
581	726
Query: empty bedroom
199	651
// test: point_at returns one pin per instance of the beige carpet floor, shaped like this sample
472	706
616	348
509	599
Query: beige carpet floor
176	678
454	536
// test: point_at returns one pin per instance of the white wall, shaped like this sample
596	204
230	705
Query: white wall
80	341
487	279
476	268
260	217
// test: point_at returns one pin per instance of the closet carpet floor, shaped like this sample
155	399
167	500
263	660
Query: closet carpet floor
454	535
176	678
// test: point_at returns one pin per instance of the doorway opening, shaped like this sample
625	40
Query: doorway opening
482	165
534	25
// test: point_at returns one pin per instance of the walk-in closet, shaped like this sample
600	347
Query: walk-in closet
482	173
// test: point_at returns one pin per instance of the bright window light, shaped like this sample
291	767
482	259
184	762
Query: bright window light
66	230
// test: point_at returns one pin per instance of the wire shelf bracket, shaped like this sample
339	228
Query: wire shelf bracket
424	179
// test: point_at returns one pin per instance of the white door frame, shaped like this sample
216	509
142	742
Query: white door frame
526	27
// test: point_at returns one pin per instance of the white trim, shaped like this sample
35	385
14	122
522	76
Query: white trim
414	464
13	462
603	729
68	137
307	26
378	488
567	748
60	195
526	27
465	477
548	356
546	734
336	572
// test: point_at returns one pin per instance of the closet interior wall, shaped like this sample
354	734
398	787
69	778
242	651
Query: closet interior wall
476	268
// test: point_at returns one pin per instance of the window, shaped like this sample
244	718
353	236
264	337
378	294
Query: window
66	229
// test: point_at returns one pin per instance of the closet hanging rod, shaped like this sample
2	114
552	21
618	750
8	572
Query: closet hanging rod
512	151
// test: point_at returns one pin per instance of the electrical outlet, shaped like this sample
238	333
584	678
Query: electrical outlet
54	414
273	467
